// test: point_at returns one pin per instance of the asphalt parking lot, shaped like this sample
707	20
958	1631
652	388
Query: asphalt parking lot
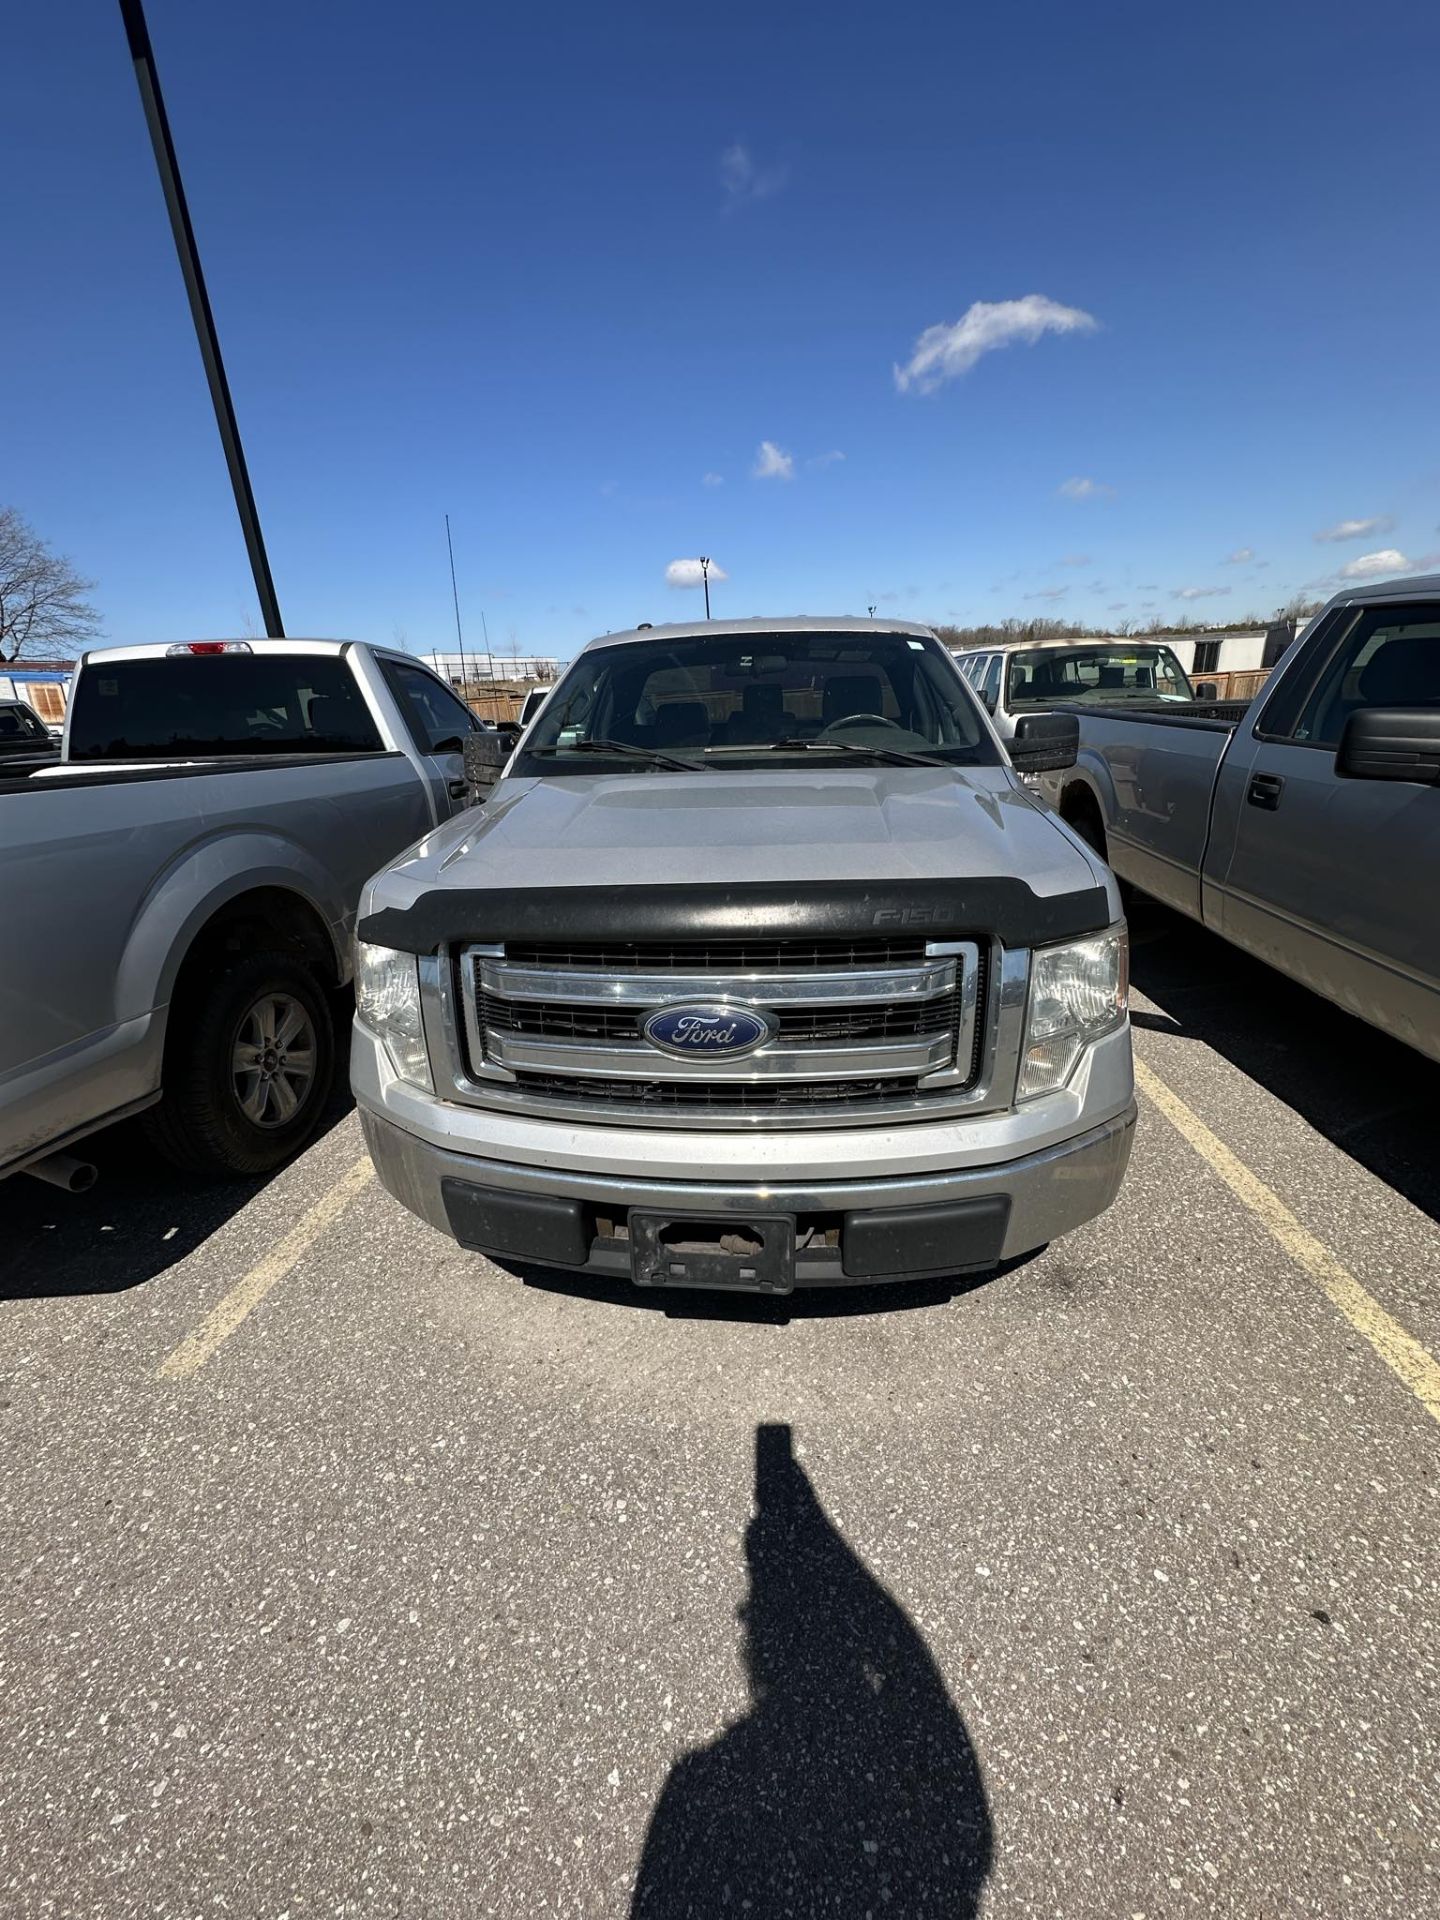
405	1585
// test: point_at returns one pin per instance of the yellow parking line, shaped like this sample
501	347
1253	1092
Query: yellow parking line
1400	1351
223	1318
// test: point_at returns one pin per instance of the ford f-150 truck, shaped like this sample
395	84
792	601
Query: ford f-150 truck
180	889
1307	830
759	966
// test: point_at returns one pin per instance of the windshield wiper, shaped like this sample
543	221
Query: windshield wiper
890	756
649	755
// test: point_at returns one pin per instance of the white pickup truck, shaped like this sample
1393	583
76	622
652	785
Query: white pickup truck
180	889
759	968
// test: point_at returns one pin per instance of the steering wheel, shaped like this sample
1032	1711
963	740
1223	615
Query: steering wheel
865	720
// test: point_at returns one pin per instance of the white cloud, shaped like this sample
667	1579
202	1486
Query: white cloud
688	573
1357	529
773	463
819	461
1368	565
1081	487
1048	593
1240	557
1075	560
712	480
744	180
944	352
1198	593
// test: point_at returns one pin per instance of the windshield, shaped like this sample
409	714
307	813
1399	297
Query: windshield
1106	675
726	699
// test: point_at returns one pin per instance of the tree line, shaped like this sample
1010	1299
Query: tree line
995	633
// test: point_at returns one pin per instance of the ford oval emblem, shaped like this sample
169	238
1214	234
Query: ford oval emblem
691	1032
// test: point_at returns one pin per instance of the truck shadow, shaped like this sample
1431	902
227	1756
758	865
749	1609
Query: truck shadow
1376	1100
139	1218
851	1786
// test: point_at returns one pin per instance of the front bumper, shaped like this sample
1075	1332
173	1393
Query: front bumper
868	1228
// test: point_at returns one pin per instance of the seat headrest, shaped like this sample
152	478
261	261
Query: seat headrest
682	723
851	693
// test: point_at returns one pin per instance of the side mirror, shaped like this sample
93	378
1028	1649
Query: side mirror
485	755
1045	743
1391	743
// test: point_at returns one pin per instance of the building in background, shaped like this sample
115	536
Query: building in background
44	685
479	669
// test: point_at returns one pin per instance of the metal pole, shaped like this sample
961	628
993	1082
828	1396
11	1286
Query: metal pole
705	576
455	595
138	35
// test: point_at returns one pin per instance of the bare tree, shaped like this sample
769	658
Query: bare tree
43	609
1299	606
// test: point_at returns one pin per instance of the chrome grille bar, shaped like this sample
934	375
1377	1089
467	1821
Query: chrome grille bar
573	985
639	1061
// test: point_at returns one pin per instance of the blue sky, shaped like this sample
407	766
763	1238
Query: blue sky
549	268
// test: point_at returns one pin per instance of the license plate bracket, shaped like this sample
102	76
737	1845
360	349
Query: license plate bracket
740	1255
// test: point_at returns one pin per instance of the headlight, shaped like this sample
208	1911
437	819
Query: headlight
387	1000
1077	992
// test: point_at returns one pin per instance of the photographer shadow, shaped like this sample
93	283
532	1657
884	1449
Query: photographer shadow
851	1787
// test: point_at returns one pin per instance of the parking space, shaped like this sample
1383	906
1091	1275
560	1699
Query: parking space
414	1586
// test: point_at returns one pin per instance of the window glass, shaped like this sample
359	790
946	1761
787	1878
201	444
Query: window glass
990	687
432	712
18	723
192	706
1390	657
723	694
1106	675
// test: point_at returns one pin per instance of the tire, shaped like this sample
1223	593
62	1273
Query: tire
203	1123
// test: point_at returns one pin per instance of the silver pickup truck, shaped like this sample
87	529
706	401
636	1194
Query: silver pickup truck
180	889
1307	830
758	967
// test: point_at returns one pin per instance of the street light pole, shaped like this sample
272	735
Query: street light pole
705	576
141	52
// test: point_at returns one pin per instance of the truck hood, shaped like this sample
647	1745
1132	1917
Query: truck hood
862	824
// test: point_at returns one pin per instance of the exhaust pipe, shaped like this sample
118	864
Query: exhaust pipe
60	1170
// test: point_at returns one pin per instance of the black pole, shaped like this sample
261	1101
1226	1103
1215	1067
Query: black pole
138	35
455	593
705	576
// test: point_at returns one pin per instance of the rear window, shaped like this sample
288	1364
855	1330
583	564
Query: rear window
1039	676
185	708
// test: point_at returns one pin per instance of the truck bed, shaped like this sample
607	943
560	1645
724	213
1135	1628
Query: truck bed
1223	714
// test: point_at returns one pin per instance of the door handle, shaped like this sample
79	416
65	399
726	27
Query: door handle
457	789
1265	790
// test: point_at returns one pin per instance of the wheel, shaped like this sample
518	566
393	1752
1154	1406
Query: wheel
249	1067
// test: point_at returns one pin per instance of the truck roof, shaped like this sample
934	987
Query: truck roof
158	649
1414	586
794	623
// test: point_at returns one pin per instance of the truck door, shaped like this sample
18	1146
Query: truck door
1331	879
438	720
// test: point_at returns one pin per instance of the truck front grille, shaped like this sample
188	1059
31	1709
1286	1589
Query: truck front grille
863	1027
